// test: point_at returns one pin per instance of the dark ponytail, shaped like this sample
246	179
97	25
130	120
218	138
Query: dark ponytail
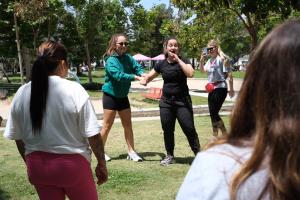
50	54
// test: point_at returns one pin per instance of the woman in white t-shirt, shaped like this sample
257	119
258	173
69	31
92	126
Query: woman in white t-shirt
260	157
218	69
54	124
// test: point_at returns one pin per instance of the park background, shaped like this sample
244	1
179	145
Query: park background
85	27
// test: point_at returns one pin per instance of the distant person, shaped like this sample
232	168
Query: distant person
175	102
242	67
218	69
120	70
53	123
260	158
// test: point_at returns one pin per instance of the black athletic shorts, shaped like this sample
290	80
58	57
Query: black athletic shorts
110	102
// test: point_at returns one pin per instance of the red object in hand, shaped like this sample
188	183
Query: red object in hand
209	87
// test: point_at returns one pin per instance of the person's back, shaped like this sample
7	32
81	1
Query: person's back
54	125
211	172
266	120
61	131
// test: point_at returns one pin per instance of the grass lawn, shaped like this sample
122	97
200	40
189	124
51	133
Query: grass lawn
128	180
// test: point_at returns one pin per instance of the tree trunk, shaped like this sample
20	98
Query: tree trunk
254	39
4	73
28	57
88	59
19	49
49	27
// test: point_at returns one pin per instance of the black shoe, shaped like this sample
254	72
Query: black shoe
167	160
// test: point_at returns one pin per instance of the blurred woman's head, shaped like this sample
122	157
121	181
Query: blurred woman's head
171	45
213	48
268	110
51	60
117	44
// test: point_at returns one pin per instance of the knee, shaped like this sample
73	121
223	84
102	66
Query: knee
105	130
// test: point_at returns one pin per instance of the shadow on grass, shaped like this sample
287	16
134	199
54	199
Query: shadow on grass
152	156
184	160
144	155
4	195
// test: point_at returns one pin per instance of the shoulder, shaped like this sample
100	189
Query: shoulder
211	172
70	87
128	56
111	58
230	156
159	65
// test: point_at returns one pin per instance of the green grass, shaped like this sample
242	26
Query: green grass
128	180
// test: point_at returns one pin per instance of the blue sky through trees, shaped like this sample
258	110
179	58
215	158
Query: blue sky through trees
150	3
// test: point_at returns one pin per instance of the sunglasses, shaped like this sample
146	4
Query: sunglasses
211	48
123	44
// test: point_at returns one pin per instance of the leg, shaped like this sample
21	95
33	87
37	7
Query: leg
49	192
125	116
108	120
186	120
57	175
215	101
84	187
168	119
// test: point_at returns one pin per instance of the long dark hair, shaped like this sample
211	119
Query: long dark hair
49	55
268	110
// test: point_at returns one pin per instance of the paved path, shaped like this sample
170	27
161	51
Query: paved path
195	85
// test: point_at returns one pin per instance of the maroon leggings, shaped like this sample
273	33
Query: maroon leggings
55	176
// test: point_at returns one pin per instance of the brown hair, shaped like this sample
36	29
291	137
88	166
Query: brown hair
268	110
50	54
113	43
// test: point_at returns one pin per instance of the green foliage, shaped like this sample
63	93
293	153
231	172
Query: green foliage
8	46
253	15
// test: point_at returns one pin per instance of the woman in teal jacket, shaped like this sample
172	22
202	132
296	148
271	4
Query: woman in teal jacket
120	70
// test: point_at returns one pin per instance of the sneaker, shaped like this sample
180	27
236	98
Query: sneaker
167	160
134	156
107	158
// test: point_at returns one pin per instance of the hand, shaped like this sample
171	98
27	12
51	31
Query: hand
203	57
173	56
143	74
138	78
101	173
143	81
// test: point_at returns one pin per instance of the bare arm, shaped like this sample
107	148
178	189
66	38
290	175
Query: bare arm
149	77
21	148
202	62
98	150
187	69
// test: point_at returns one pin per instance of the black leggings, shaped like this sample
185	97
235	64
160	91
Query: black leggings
215	101
172	108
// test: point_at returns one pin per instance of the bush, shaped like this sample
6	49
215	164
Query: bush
92	86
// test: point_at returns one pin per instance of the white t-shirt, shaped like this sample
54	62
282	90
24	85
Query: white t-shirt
67	123
215	70
212	170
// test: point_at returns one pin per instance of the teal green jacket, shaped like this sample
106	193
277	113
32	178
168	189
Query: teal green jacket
119	72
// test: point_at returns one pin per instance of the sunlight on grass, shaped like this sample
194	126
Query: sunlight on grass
128	180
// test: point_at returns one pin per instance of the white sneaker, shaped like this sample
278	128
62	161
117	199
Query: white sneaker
134	156
107	158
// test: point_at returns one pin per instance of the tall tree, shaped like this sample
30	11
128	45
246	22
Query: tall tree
252	14
93	18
